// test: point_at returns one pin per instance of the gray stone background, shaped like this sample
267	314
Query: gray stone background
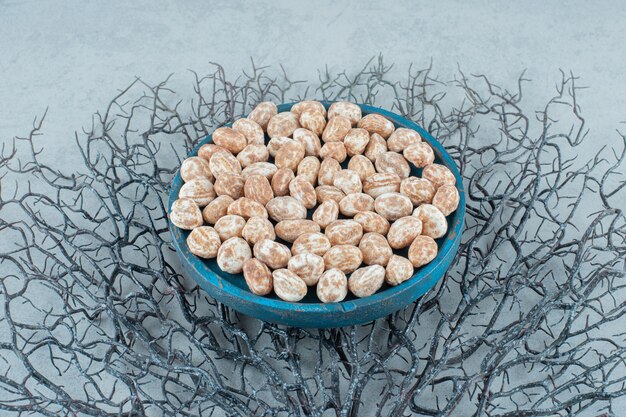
72	57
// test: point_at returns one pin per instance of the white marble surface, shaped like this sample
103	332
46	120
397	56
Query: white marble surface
72	56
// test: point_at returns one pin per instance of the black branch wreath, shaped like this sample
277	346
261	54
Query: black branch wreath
97	319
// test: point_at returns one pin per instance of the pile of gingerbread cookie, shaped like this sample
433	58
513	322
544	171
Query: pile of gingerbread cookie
247	197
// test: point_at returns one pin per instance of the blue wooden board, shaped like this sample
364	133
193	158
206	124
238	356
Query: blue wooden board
310	313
